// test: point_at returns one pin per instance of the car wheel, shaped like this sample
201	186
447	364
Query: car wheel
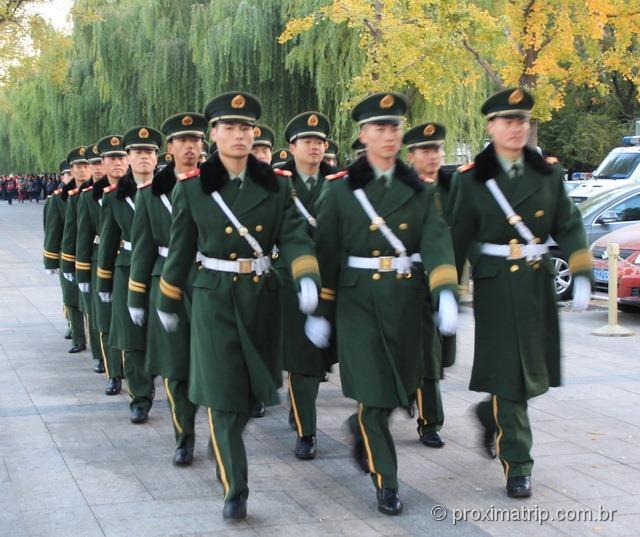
563	280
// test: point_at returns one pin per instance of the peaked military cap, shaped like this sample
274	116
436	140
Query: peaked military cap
142	138
92	153
510	102
279	157
184	124
263	135
380	108
307	125
205	148
358	146
332	149
64	167
111	146
164	159
425	135
233	106
77	156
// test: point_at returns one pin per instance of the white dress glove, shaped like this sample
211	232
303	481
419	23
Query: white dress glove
105	297
308	296
68	276
137	315
84	287
169	320
581	293
447	317
318	330
51	271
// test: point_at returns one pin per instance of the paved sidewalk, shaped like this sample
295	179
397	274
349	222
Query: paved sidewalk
71	463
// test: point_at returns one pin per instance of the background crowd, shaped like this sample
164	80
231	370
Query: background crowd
27	187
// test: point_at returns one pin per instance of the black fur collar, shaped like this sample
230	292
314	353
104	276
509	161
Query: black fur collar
126	186
66	189
213	174
86	184
98	187
487	165
444	179
361	174
164	180
325	169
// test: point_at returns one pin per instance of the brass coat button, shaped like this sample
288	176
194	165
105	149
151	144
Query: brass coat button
373	227
376	276
403	226
228	230
259	228
235	278
539	213
256	279
375	253
514	268
233	255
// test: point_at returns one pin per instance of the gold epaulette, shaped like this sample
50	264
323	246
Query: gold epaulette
334	176
73	192
188	175
110	188
145	184
426	179
466	167
284	173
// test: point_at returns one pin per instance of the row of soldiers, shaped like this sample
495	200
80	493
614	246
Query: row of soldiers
217	274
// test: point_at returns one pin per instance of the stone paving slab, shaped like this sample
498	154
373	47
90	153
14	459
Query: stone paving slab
71	463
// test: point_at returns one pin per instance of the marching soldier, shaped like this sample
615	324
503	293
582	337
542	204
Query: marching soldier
140	146
331	153
167	352
307	364
231	213
56	213
374	225
426	154
81	170
95	161
263	143
509	201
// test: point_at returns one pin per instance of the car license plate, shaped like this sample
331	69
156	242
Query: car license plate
601	275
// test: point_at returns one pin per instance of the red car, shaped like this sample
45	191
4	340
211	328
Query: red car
628	240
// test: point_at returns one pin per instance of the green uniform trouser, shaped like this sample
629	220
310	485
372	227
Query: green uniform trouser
509	419
139	383
183	411
372	426
226	436
430	413
93	339
303	392
112	358
76	321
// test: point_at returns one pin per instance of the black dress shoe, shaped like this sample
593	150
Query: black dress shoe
139	415
519	487
68	334
292	420
389	502
236	508
183	456
113	387
306	447
258	410
77	348
325	378
98	366
432	439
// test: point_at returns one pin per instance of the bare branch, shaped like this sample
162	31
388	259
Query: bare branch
484	64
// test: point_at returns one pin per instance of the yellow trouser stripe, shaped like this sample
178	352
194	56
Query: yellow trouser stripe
176	423
216	450
104	356
419	396
123	370
295	408
505	464
367	446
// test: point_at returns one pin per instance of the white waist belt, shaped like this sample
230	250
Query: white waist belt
239	266
96	239
126	245
163	251
381	264
514	251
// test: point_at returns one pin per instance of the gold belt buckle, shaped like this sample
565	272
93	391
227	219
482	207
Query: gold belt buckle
385	264
515	250
244	266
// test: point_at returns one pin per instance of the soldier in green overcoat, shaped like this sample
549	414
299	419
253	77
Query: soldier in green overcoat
230	214
167	352
505	206
114	257
376	226
307	364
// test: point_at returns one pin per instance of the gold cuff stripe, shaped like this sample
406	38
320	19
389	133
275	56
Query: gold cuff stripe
580	261
137	284
83	266
443	275
325	295
303	265
68	257
170	291
104	274
136	289
51	255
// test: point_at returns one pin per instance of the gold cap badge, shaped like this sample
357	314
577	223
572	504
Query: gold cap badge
143	133
516	96
257	131
115	141
168	157
81	151
387	101
238	102
187	121
283	154
313	120
95	149
429	130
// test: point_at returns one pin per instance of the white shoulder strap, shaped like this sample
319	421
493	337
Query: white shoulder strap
303	210
130	202
166	202
512	217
